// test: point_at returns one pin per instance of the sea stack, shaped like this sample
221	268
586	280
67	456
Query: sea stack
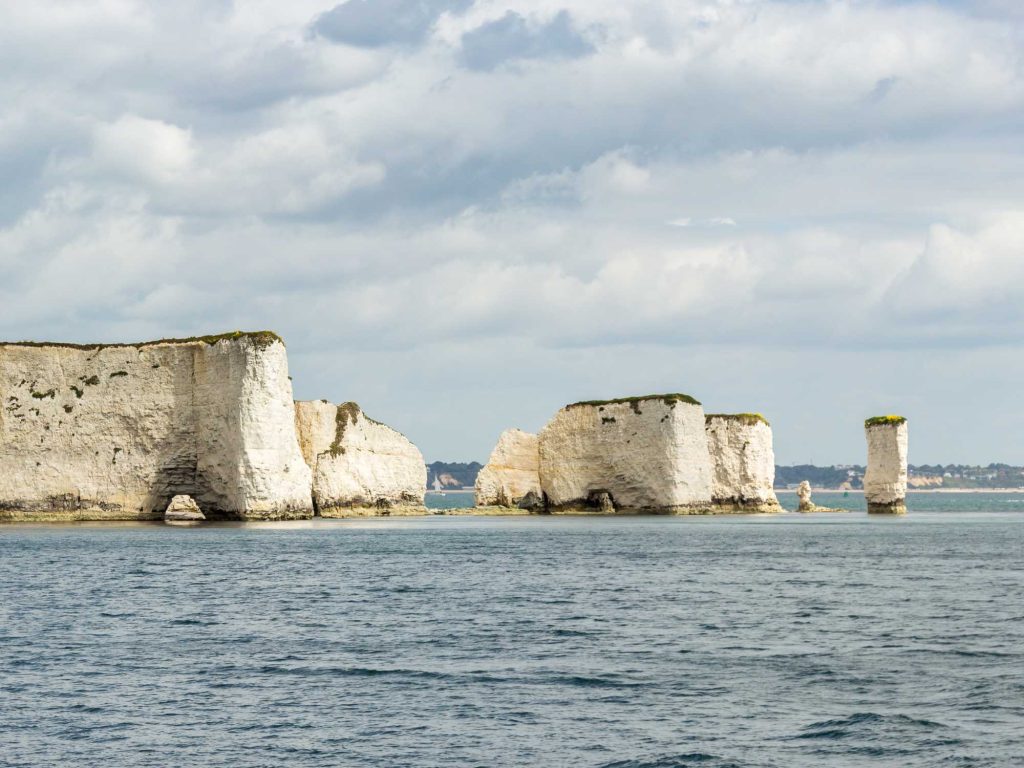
803	494
633	455
512	474
115	432
742	463
885	481
360	466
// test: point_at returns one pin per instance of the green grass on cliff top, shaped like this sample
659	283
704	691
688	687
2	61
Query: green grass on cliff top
262	339
892	418
668	399
746	418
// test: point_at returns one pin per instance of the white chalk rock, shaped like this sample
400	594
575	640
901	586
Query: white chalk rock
115	432
803	493
885	480
183	509
627	456
360	466
512	471
742	462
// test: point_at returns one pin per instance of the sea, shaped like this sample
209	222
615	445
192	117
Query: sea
785	641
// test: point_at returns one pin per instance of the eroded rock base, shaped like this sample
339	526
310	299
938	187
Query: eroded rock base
895	508
746	508
372	510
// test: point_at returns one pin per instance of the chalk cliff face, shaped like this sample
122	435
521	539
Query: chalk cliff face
360	466
885	480
742	462
115	432
512	471
634	455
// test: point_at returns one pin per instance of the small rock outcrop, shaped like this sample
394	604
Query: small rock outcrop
360	466
631	455
512	472
114	432
885	481
803	493
742	462
183	509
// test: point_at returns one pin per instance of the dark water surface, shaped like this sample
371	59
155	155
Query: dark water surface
649	642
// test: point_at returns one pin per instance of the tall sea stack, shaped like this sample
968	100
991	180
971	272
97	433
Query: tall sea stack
885	481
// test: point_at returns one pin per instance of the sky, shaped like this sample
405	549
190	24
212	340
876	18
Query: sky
464	214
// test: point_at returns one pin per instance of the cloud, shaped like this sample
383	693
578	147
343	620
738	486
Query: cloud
376	23
966	279
623	197
513	37
144	149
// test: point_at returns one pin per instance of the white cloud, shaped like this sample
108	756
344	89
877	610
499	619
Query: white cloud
145	150
595	180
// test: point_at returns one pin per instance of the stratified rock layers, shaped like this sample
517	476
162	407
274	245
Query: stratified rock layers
512	471
628	456
115	432
360	466
742	462
885	480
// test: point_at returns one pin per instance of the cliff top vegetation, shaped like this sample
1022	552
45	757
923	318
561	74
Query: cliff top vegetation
668	399
262	339
746	418
875	421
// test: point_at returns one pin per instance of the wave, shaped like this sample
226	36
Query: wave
675	761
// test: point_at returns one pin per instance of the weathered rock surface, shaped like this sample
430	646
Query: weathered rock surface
885	480
628	456
742	463
360	466
115	432
803	493
512	472
183	509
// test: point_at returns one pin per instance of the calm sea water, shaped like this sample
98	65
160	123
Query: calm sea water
456	641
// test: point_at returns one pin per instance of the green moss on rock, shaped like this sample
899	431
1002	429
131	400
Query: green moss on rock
746	418
262	339
347	413
668	399
875	421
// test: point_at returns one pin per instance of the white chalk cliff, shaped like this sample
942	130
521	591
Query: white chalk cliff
627	456
117	431
360	466
742	462
512	472
885	480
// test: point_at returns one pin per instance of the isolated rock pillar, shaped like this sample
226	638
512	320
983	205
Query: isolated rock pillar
885	481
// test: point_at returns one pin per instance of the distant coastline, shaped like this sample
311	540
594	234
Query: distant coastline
911	490
858	491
